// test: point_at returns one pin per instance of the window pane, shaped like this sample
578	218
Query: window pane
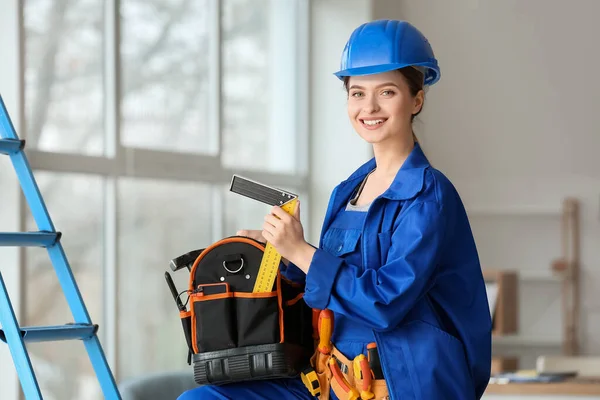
63	75
64	371
259	84
165	78
158	221
76	207
242	212
8	197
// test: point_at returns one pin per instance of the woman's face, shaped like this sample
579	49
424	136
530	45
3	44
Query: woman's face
380	106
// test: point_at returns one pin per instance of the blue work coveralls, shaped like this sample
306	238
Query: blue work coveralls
421	290
418	292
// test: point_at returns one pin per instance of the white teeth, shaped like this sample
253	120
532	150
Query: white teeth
374	122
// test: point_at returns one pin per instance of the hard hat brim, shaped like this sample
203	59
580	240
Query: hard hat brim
432	76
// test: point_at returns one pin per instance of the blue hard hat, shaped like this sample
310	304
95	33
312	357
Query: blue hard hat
386	45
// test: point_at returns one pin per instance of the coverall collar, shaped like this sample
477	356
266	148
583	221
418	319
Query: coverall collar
408	181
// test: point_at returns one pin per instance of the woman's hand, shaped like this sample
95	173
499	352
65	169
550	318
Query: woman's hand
286	234
252	234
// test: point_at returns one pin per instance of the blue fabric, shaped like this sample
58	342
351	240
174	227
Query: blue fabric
277	389
349	337
419	289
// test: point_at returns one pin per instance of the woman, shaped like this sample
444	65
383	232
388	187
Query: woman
397	263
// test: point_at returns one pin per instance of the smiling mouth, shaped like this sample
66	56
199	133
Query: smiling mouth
372	123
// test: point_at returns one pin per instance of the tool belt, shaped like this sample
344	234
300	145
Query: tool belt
236	335
330	369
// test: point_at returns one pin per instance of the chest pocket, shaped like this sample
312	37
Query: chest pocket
341	241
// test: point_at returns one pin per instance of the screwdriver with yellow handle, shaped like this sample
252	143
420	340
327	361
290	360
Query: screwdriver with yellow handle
325	331
362	371
352	393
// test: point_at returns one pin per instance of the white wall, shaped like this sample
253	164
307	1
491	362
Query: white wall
9	189
336	150
514	122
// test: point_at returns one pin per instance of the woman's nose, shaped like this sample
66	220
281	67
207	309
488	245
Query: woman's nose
371	106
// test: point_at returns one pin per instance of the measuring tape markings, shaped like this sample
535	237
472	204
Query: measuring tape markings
270	260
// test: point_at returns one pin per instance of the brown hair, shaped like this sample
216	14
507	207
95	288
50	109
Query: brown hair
414	79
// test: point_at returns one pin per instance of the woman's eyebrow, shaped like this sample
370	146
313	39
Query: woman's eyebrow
376	87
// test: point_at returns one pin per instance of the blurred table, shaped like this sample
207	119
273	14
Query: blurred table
572	387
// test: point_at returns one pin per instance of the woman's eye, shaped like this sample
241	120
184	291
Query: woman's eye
357	94
387	92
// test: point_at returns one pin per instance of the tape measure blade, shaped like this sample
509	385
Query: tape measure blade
290	207
267	272
271	259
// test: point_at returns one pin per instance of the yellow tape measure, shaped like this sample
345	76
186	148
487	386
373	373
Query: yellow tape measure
275	197
271	259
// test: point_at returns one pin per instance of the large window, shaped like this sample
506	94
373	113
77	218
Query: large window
63	77
168	67
137	114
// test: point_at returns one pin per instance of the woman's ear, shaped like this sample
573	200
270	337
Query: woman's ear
418	101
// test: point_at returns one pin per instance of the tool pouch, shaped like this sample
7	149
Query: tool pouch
236	335
327	381
319	362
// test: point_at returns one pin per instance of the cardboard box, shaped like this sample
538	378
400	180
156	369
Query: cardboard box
502	286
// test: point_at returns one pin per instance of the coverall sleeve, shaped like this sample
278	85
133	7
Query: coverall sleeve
292	273
381	298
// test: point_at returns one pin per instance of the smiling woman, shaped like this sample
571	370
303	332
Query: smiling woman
396	267
386	93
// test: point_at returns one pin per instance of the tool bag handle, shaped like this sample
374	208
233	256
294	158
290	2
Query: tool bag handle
185	261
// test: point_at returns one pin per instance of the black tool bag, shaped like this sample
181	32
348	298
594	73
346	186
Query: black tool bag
233	334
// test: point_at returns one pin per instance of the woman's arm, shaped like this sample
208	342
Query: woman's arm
291	272
380	298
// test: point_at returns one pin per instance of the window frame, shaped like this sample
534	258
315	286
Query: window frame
120	161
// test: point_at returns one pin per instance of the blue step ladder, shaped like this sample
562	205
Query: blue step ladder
82	329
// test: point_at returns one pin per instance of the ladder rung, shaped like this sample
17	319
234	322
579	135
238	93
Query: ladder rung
10	146
29	239
55	333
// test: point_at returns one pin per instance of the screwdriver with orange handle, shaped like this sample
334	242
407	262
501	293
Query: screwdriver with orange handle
325	331
352	393
363	371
